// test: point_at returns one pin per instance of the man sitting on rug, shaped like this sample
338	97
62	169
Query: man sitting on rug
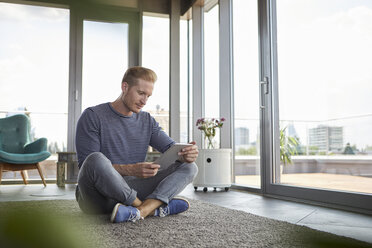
112	140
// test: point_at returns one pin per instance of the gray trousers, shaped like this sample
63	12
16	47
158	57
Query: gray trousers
101	187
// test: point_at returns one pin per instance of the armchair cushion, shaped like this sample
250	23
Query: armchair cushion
23	158
14	133
37	146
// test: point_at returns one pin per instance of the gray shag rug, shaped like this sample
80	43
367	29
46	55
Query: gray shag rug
60	223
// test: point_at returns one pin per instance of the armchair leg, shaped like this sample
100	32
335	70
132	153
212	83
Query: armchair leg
40	173
24	176
1	172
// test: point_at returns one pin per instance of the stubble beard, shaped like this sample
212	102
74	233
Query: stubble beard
126	106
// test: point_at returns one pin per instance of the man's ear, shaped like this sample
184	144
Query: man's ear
124	86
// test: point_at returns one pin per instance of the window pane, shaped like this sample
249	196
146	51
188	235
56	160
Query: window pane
105	59
184	80
325	85
155	55
190	96
246	93
34	64
211	65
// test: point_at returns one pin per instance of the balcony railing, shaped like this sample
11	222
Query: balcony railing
343	172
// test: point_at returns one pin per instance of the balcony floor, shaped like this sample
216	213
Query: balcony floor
317	180
339	222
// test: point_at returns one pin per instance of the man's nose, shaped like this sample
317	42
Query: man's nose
144	100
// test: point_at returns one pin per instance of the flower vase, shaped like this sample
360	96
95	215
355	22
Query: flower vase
208	142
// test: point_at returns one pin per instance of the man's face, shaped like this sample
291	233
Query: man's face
136	96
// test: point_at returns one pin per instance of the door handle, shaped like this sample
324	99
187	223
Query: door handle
264	88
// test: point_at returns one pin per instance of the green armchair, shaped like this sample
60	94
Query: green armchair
16	151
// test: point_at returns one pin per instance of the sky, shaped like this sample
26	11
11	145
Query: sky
155	55
324	52
34	55
246	66
324	65
102	67
329	55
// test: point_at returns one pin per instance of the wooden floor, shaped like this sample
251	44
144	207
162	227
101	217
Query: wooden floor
317	180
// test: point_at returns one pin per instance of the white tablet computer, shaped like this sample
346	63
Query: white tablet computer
170	155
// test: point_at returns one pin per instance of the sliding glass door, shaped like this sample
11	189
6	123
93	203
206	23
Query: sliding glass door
104	43
322	82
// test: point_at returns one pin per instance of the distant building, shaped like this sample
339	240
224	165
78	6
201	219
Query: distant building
241	136
292	131
326	138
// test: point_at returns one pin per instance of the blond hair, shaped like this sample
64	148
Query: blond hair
132	75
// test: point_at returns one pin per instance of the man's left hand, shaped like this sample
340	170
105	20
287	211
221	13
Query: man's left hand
190	153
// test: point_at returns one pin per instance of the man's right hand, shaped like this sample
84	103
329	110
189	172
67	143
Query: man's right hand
141	170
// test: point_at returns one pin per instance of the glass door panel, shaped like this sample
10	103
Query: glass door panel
34	64
325	85
246	94
155	55
105	59
211	65
185	113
